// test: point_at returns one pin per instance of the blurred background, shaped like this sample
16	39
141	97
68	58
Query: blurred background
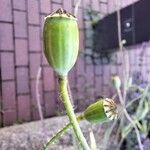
21	54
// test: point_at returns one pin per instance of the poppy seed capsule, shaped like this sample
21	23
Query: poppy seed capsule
101	111
61	41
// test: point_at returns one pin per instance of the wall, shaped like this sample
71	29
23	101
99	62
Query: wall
21	54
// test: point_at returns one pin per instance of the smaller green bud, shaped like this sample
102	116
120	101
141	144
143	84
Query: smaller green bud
116	82
101	111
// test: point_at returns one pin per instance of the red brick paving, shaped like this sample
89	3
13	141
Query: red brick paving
22	80
8	95
21	52
6	40
24	112
7	66
20	24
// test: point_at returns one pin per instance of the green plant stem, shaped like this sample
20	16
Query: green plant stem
60	133
136	129
107	135
63	83
133	100
57	136
130	119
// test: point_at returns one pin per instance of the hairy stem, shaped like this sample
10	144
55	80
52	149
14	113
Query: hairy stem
63	83
136	129
130	119
57	136
61	132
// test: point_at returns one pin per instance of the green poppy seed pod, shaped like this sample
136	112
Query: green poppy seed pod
61	41
116	82
101	111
